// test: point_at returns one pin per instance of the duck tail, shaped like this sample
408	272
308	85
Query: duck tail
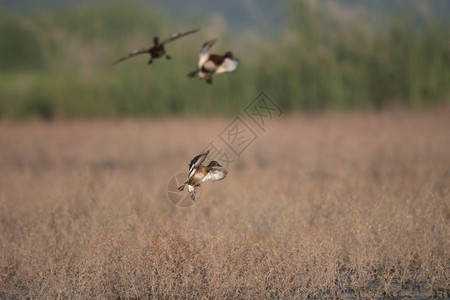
193	73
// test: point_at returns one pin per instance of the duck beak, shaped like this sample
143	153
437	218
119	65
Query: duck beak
219	165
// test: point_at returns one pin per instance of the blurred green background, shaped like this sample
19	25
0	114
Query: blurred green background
55	56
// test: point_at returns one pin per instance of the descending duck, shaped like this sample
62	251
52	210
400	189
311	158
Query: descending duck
158	49
198	174
210	64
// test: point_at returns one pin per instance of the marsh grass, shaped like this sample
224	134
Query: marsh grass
325	206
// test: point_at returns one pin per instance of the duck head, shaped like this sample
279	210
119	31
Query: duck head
229	54
214	164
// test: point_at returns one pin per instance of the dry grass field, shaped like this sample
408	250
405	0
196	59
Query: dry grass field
334	205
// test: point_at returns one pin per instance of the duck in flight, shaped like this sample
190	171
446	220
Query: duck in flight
210	64
198	174
157	50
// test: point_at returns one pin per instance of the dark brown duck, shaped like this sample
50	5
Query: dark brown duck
157	50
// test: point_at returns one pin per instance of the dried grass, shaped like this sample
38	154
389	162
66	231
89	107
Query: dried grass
334	205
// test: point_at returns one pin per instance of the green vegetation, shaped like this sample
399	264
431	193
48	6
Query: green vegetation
58	64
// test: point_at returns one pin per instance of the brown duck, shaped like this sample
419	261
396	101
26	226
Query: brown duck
198	174
210	64
158	50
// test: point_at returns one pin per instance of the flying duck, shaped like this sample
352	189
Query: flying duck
198	174
158	49
210	64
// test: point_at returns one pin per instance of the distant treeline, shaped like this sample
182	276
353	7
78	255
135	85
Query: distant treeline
58	64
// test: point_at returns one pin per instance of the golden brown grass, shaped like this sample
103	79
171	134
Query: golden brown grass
332	205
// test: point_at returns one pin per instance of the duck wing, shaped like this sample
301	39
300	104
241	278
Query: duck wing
207	45
178	35
134	53
197	162
204	54
228	65
215	174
